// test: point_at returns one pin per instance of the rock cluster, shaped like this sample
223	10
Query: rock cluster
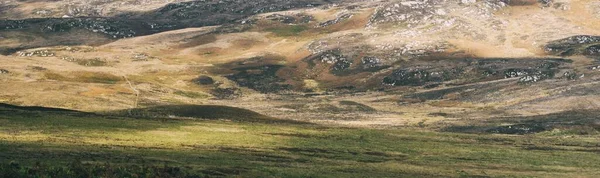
38	53
575	45
475	70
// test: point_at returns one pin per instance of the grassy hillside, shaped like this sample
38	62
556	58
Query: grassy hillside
60	143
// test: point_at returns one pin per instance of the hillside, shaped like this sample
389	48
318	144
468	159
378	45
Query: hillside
522	70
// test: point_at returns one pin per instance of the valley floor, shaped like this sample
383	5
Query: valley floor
66	144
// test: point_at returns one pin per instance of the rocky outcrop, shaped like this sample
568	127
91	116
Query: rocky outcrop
575	45
475	70
171	17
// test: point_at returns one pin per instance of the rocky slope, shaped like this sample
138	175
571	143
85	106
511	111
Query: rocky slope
90	19
406	61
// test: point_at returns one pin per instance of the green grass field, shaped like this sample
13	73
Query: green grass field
64	144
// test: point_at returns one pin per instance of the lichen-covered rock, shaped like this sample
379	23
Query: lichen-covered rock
336	20
370	62
593	50
38	53
419	76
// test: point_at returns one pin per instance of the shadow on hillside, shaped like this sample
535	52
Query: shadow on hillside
37	111
164	113
583	122
208	112
50	120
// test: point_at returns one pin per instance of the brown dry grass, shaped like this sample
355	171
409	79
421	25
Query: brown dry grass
94	91
580	13
451	104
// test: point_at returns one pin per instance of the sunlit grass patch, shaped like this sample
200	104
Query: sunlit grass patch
191	94
84	77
